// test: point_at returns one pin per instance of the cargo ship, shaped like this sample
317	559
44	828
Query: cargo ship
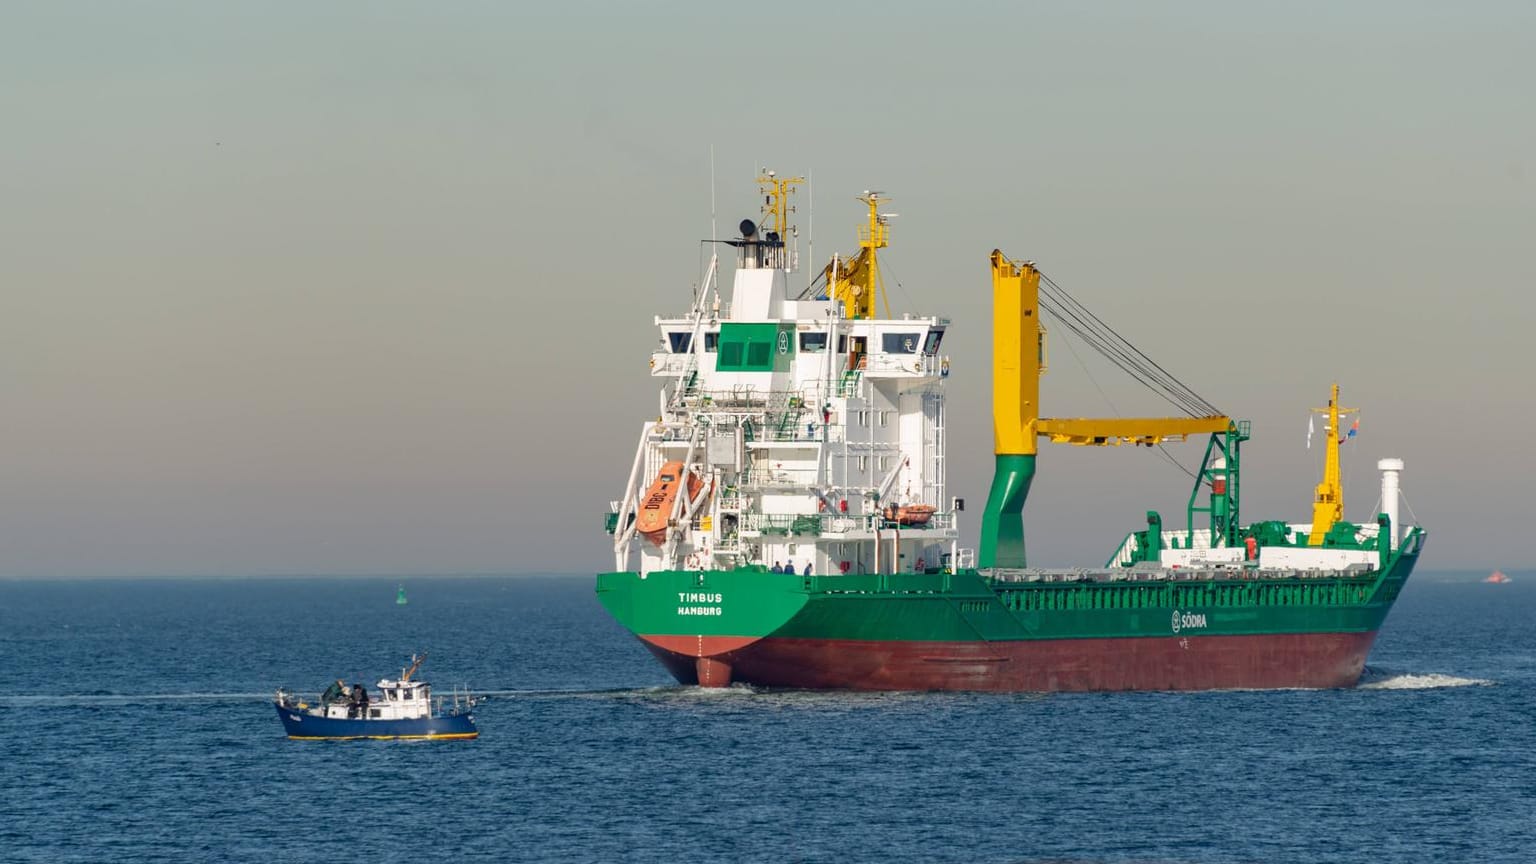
787	519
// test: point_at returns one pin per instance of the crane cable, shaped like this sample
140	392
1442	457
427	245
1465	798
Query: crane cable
1076	317
1107	401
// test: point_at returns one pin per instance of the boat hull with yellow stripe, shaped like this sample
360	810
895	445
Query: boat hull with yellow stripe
303	726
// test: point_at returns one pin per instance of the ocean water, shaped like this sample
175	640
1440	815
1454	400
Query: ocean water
136	727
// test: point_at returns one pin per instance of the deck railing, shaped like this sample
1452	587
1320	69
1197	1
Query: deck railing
833	524
1365	538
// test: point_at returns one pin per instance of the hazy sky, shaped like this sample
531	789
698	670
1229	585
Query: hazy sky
369	287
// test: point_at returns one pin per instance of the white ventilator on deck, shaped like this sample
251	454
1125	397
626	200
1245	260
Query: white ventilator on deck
1390	469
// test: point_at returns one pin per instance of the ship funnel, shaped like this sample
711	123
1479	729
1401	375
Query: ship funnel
1390	469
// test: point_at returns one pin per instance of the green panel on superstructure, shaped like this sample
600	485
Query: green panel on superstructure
759	347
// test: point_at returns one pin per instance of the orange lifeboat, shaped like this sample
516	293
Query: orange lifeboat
656	507
915	515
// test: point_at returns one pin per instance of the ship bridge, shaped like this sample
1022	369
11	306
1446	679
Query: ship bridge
817	429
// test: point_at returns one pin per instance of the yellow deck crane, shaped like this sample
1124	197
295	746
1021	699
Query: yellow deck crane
1018	361
1328	504
855	281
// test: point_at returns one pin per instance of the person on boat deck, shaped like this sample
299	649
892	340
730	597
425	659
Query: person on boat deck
357	701
777	568
333	693
807	568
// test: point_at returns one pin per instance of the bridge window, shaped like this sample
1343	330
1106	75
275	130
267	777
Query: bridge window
680	342
813	342
711	343
931	344
899	343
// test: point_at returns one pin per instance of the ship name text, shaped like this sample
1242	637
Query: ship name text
689	599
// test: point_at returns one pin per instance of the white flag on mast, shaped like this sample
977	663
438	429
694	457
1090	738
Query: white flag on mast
1310	418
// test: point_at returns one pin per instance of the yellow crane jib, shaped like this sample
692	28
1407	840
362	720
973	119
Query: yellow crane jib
1018	361
1146	431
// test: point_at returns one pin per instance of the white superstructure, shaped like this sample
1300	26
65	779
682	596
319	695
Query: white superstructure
810	434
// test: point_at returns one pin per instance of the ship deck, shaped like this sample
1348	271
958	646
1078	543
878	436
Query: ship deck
1218	573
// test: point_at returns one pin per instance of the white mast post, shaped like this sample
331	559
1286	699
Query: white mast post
1390	469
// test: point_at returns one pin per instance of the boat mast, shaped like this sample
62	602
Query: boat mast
415	664
1328	505
856	283
776	209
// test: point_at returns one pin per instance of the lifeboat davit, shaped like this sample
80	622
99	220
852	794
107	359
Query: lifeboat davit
656	507
915	515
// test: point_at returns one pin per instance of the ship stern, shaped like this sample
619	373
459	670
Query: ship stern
697	621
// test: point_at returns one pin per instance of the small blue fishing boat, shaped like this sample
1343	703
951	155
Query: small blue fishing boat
399	708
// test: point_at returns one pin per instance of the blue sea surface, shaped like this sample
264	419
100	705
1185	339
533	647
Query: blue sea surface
137	726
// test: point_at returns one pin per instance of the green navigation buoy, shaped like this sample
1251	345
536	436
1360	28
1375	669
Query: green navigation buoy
400	596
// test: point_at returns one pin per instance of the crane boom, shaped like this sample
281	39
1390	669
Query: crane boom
1128	430
1018	361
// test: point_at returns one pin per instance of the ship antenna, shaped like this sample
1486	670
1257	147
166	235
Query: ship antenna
810	226
712	236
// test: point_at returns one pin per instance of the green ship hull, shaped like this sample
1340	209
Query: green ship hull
1020	630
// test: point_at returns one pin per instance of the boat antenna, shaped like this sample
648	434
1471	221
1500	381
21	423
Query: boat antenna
712	236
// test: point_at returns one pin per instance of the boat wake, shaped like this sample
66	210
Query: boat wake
51	700
115	700
1381	679
577	692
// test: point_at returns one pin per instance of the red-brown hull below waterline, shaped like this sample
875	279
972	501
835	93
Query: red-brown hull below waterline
1267	662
